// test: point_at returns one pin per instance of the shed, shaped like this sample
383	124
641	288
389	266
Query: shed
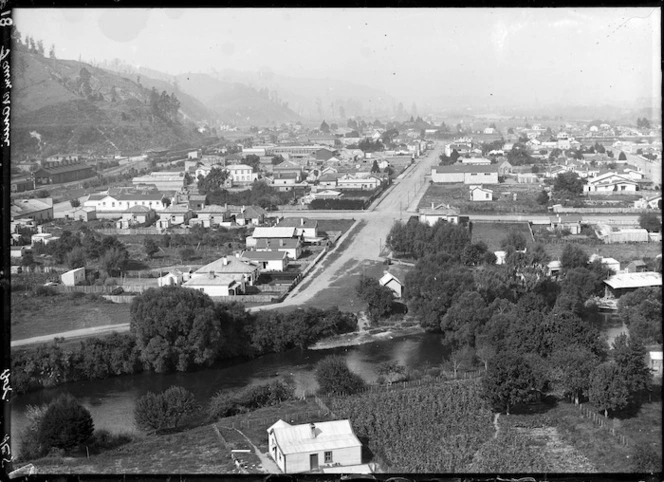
654	359
636	266
307	447
622	283
73	277
393	283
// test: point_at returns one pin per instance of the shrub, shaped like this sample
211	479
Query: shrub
44	291
65	424
157	412
103	439
251	398
334	377
75	295
110	282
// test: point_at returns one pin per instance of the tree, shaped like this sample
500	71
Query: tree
573	366
464	318
27	259
76	258
642	123
374	167
610	154
213	181
630	357
176	328
150	246
454	155
622	156
254	161
650	222
40	48
378	298
324	127
568	184
515	239
65	424
509	381
641	311
156	412
278	159
114	261
573	256
334	377
608	389
75	203
543	198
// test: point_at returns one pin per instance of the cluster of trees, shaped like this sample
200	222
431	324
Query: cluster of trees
213	182
641	311
164	106
31	45
568	185
77	249
156	412
224	404
261	194
378	298
415	239
651	222
519	155
642	123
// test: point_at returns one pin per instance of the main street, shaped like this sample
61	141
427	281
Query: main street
369	239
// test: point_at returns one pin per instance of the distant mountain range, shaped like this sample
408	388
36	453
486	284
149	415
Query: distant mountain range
65	106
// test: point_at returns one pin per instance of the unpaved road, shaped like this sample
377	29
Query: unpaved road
367	242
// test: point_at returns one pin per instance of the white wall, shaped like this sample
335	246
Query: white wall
296	463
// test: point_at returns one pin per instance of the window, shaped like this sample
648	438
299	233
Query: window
113	205
473	174
328	457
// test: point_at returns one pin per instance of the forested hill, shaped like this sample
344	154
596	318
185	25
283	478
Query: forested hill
65	106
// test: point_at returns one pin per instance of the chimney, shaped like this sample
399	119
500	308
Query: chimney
431	204
224	261
237	255
313	430
301	221
211	275
281	243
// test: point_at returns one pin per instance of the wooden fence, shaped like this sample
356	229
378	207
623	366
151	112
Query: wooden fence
119	298
602	422
607	210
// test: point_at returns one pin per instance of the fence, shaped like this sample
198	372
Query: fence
563	209
119	298
140	231
263	298
601	422
101	289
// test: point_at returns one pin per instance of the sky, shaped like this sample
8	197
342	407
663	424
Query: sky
588	56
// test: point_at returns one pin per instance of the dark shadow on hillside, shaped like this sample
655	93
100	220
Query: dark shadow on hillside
542	406
651	396
136	265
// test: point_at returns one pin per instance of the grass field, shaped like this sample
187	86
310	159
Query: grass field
624	253
457	195
493	233
36	316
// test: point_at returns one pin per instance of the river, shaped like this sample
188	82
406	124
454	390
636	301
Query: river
111	401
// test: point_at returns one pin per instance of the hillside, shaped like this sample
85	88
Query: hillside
235	102
316	98
63	106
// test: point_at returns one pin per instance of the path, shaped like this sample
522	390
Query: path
83	332
268	465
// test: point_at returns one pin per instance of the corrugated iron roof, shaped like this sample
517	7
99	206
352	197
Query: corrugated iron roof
293	439
273	232
634	280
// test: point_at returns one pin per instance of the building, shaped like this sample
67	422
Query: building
358	182
619	284
176	214
196	202
268	260
22	184
568	222
252	215
240	269
312	447
611	263
241	174
136	215
272	232
286	169
654	202
475	161
478	193
465	174
175	278
654	360
35	209
82	214
393	283
441	212
73	277
115	201
636	266
211	215
304	227
325	154
291	246
526	178
162	181
213	284
609	183
611	236
56	174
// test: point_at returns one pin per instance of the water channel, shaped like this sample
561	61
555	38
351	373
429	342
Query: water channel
111	401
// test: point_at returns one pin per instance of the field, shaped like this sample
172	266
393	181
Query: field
457	196
35	316
624	253
434	428
493	233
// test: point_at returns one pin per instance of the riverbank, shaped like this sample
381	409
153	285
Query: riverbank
363	336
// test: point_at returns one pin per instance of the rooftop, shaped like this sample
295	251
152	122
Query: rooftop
634	280
332	435
274	232
63	169
264	255
297	223
466	168
227	264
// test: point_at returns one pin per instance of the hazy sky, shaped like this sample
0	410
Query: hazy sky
525	56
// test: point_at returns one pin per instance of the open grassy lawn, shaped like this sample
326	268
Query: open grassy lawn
457	195
36	316
326	225
493	233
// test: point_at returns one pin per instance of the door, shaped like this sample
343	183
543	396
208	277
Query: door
313	461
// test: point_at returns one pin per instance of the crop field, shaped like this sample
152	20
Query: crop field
434	429
458	196
493	233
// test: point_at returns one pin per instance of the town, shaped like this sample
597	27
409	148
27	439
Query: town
431	292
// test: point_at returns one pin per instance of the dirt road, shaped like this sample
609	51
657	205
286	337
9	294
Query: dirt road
367	243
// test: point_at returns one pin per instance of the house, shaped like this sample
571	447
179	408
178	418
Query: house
272	232
241	174
553	268
504	167
291	246
268	260
325	154
441	212
162	180
251	215
619	284
196	202
235	266
171	279
636	266
115	201
286	169
393	283
82	214
328	179
304	227
21	184
611	263
478	193
327	194
35	209
211	215
176	214
44	238
566	222
631	235
286	181
609	183
466	174
363	183
139	215
475	161
213	284
73	277
55	174
654	360
311	447
526	178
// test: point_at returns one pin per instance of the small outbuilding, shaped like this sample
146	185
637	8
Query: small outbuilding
73	277
393	283
619	284
313	447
